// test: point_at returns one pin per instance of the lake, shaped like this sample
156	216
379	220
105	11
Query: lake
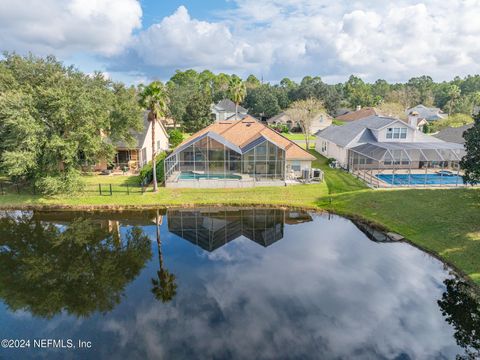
223	283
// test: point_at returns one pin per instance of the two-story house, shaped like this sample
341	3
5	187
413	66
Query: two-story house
384	140
226	110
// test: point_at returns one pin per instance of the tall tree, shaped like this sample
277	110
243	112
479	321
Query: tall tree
262	102
52	118
471	161
453	97
154	98
237	91
303	113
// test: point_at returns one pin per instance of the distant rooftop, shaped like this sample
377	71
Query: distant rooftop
358	114
228	105
453	134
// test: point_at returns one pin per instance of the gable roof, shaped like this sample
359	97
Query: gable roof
358	114
428	113
361	131
139	136
228	105
241	133
453	134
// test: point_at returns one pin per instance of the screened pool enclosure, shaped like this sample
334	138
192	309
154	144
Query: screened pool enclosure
211	157
407	164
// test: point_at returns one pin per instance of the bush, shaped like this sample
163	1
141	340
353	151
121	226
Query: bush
146	174
176	137
330	161
61	184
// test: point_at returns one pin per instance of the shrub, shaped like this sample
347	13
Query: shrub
62	184
330	161
146	174
176	137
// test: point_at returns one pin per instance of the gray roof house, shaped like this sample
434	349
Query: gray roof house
320	122
225	110
427	113
385	140
453	134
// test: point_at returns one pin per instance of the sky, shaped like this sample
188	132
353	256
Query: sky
139	41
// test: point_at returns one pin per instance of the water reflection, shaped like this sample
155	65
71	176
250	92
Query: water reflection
460	304
213	228
80	266
324	291
164	286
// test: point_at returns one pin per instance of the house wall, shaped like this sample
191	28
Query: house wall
381	134
161	143
295	164
331	150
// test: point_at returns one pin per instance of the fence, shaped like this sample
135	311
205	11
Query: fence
102	189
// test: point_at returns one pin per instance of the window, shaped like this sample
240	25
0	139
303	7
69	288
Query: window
158	144
324	146
396	133
296	166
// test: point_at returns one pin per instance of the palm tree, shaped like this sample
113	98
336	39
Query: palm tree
164	288
154	98
237	91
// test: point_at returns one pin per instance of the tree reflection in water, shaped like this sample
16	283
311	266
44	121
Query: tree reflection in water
80	268
460	304
164	287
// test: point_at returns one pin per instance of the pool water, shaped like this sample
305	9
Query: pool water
224	283
419	179
190	175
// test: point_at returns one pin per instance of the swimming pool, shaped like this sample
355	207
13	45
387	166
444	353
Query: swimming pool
419	179
190	175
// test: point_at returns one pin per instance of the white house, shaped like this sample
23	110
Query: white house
380	132
320	122
137	155
225	110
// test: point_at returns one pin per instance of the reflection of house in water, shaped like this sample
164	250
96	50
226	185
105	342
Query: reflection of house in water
212	228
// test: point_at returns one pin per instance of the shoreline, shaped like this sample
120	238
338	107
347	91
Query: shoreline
352	216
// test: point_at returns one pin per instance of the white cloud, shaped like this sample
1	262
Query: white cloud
392	40
63	27
273	38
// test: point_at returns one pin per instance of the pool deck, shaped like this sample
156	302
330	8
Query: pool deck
174	181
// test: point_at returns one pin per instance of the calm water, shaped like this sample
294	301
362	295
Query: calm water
225	283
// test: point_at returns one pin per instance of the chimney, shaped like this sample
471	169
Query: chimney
359	107
413	119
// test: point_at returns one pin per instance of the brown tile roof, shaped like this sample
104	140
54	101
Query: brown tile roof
358	114
243	132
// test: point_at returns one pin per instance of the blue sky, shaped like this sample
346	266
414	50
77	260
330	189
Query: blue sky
138	41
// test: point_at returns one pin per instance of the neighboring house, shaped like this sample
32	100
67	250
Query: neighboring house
453	134
225	109
360	113
135	156
321	122
416	121
168	123
236	153
427	113
376	137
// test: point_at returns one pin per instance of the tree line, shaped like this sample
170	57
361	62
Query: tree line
56	120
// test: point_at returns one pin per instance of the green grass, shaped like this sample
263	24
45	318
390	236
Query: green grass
297	136
444	222
338	181
338	122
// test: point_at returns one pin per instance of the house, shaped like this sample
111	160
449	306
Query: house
358	114
236	153
453	134
135	156
427	113
225	109
384	145
320	122
416	121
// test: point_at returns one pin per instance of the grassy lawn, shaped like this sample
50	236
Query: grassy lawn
444	222
337	180
297	136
